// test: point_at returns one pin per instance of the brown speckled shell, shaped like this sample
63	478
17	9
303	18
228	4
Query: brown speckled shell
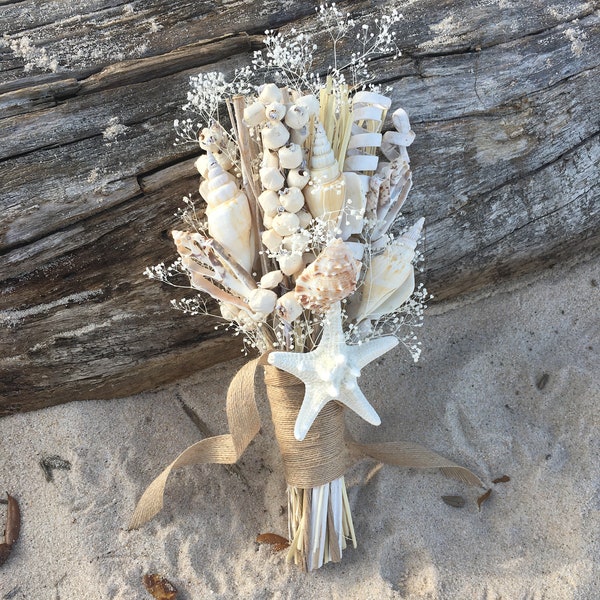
330	278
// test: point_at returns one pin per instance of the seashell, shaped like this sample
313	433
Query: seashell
269	202
330	278
229	311
297	116
305	218
271	178
298	178
254	114
271	279
311	103
275	111
290	263
290	156
270	158
394	143
288	307
285	223
274	135
202	165
228	215
298	136
270	93
297	242
210	139
262	300
355	203
223	159
271	240
291	199
384	288
402	125
368	113
326	191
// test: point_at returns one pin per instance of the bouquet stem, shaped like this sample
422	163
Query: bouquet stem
319	516
319	523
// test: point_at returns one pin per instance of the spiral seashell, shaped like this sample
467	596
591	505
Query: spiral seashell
394	143
290	156
254	114
297	116
270	93
298	178
291	199
271	240
202	165
368	113
326	191
274	135
285	223
220	185
269	202
275	111
384	287
288	307
228	215
271	178
330	278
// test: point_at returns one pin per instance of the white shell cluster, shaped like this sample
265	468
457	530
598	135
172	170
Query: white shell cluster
283	128
302	186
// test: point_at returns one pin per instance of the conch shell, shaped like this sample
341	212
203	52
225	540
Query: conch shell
389	281
330	278
228	215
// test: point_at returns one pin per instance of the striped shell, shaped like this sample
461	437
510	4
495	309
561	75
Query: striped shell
330	278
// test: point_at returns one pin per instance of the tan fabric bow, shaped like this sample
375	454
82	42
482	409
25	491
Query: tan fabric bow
324	455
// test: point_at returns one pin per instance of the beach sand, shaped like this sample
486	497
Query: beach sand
508	384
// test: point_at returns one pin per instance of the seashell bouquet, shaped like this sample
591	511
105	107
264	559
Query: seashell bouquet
303	246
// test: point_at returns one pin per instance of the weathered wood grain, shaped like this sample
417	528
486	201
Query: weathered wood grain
502	96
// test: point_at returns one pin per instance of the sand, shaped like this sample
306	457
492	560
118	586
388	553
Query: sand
508	384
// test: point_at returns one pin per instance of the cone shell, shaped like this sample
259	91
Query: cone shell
330	278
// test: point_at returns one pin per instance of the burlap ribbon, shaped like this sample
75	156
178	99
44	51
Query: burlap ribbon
324	455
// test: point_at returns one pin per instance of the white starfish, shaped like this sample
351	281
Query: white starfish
330	372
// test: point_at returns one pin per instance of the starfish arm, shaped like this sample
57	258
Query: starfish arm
292	362
367	352
313	403
355	400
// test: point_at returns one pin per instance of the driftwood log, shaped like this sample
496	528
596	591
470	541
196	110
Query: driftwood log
503	98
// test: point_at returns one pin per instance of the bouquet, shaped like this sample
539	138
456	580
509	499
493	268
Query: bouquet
300	240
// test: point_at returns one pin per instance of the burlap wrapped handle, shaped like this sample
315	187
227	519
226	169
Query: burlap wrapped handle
324	455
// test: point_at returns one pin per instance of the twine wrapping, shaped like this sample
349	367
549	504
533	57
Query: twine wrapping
324	455
321	456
